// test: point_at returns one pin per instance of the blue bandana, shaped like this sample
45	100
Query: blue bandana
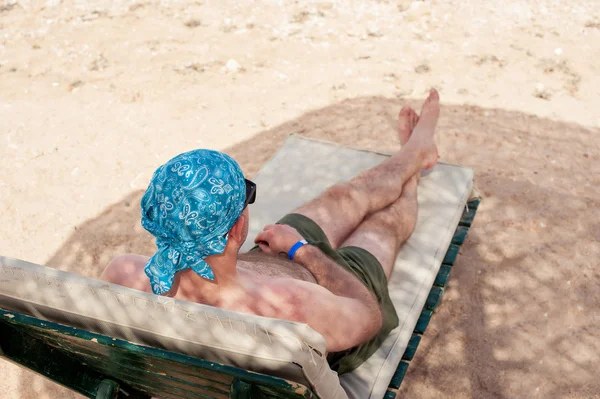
190	205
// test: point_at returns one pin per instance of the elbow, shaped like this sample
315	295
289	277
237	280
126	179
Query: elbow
356	333
341	342
376	324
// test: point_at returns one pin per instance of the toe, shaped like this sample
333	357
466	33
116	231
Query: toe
404	124
404	118
404	112
431	104
414	118
434	95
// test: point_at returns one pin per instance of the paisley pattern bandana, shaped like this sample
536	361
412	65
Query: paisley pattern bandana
190	205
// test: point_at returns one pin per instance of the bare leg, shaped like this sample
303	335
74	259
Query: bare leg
340	209
384	232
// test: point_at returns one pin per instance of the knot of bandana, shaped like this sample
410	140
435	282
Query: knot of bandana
191	203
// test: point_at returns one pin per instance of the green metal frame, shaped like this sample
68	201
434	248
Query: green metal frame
98	366
435	295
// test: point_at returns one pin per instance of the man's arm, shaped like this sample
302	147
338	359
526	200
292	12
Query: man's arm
275	239
332	276
344	322
354	305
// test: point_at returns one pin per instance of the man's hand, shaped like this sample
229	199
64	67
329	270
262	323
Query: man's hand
276	238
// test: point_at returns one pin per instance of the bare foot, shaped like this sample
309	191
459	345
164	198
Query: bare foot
407	120
422	138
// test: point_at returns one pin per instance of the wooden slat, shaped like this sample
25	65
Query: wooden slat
399	375
389	394
51	363
411	348
460	235
442	277
469	214
474	204
451	255
434	298
95	355
423	321
130	364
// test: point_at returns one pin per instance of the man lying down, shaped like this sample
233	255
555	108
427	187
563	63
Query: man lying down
326	264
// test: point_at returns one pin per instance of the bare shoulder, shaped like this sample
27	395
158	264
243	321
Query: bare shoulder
128	270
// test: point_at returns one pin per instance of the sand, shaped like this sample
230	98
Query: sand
94	95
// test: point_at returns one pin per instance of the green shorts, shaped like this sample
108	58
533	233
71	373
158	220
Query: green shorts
368	270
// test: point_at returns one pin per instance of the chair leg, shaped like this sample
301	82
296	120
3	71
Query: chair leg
107	389
243	390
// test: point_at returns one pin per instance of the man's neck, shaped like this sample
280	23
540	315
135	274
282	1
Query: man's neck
194	288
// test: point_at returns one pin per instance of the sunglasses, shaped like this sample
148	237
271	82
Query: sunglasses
250	196
250	193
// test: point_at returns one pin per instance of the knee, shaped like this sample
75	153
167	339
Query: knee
395	224
350	199
384	222
344	193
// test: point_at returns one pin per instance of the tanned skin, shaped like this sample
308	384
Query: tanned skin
376	210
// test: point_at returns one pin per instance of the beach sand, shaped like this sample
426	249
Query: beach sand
94	95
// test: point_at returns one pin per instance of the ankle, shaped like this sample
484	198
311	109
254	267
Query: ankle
412	152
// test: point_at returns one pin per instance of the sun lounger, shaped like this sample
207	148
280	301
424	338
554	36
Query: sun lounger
108	341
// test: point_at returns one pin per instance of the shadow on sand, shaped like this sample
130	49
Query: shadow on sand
518	318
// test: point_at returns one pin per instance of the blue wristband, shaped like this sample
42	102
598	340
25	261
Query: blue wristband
295	248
